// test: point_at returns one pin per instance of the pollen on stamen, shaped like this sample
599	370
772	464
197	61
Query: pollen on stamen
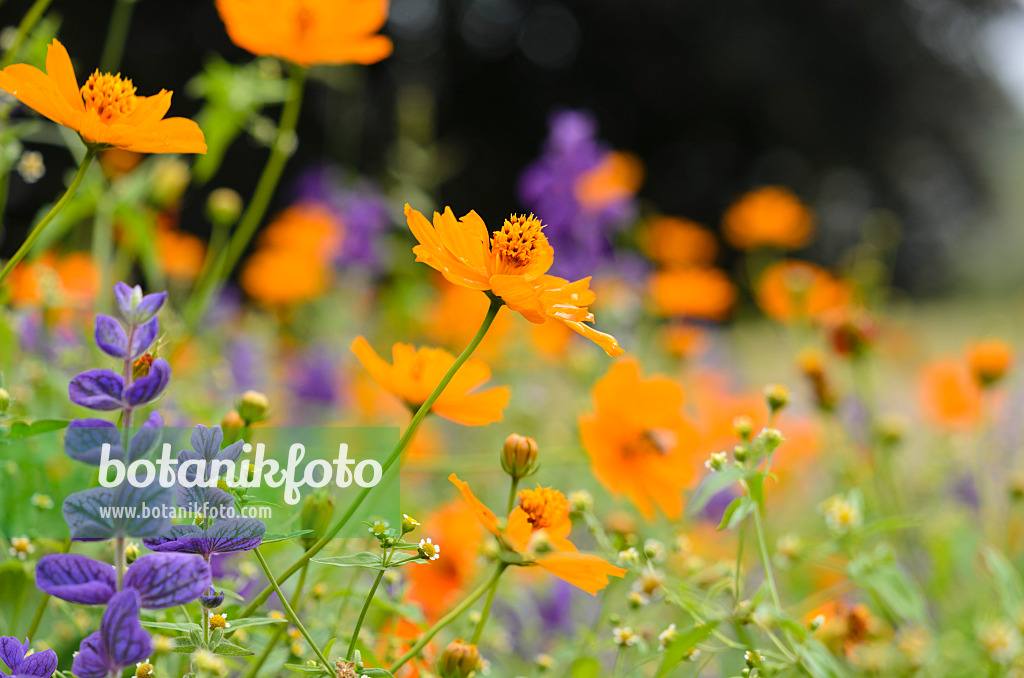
111	96
518	240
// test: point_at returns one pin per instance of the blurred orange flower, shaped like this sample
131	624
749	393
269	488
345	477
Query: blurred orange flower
538	529
640	443
511	264
616	178
105	110
309	32
181	254
292	262
673	241
415	374
438	587
768	217
692	292
67	281
792	290
989	360
949	394
683	341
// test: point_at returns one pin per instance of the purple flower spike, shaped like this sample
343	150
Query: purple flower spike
144	337
97	390
111	337
135	307
145	390
36	665
75	578
120	642
168	579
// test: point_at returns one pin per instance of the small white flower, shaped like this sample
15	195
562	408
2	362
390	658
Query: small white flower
429	550
31	167
625	636
379	528
21	548
629	557
42	501
409	519
667	636
716	462
219	621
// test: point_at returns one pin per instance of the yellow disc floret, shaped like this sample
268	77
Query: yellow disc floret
517	243
544	507
111	96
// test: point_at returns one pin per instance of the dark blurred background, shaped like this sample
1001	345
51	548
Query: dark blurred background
857	105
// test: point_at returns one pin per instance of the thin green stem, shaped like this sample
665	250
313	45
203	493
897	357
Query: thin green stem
737	577
279	632
227	258
486	612
762	546
512	495
396	453
119	560
28	22
38	229
362	615
117	34
290	612
447	619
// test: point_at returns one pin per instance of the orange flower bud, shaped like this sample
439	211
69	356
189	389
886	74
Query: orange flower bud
989	360
459	660
519	456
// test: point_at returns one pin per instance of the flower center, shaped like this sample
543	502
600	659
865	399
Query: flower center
650	442
544	507
218	621
111	96
518	240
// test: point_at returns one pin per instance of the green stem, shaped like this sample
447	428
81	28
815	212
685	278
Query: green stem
486	612
396	453
117	34
737	582
276	638
38	229
290	612
762	546
447	619
512	495
28	21
250	220
362	615
119	559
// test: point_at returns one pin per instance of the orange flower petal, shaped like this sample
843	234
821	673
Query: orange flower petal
582	570
62	73
519	530
378	368
474	409
519	295
34	89
170	135
482	513
433	253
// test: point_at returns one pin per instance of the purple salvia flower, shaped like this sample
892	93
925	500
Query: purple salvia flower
111	337
224	536
120	642
135	307
161	580
581	236
37	665
104	390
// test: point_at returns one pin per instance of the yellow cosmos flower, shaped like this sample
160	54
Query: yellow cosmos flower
308	32
105	110
511	264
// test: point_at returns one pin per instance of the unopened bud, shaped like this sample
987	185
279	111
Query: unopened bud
459	660
131	552
5	400
581	501
743	426
777	396
253	407
170	177
716	462
232	425
317	511
409	523
519	456
140	367
212	599
223	206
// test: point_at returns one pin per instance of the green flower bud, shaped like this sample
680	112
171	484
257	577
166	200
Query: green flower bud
519	456
5	400
459	660
232	425
131	552
253	407
223	206
743	426
170	177
777	396
317	511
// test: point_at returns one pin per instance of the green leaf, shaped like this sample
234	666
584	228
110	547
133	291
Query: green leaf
376	672
819	662
228	649
184	627
254	621
402	560
24	429
585	667
302	668
709	487
1007	580
270	538
895	592
184	645
738	509
683	643
365	559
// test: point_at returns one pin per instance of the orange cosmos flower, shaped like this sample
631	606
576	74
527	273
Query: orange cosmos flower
792	289
309	32
989	360
949	394
704	293
416	373
673	241
511	264
768	217
181	254
438	587
616	178
105	110
538	529
68	281
640	443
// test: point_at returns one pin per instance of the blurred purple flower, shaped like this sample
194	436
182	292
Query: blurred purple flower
359	207
580	235
314	376
37	665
